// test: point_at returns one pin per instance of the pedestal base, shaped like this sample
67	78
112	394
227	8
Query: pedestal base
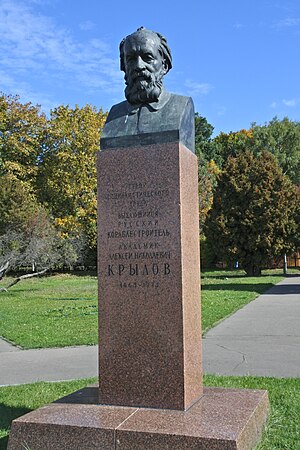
223	419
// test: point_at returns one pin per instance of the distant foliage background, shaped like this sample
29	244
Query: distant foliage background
248	188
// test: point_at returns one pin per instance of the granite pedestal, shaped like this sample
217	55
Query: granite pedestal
149	277
223	419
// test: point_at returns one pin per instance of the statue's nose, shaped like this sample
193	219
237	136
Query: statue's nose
140	64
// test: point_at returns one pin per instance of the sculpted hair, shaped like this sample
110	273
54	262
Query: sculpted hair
164	49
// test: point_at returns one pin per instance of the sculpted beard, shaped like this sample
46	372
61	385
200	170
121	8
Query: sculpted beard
145	88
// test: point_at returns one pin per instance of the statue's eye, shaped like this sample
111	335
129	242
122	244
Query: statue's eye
148	58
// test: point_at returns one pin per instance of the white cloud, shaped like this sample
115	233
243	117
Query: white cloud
238	26
33	46
87	25
287	22
195	88
291	102
24	90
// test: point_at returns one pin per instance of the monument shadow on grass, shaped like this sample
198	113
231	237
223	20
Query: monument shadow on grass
7	415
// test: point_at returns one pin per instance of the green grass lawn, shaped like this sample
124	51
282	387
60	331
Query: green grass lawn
282	431
15	401
52	311
61	310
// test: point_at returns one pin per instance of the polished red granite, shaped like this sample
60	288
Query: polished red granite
223	419
149	277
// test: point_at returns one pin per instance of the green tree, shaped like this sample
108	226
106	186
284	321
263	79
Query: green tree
231	144
207	167
279	137
17	203
282	139
21	134
204	147
67	181
28	237
254	214
38	245
207	176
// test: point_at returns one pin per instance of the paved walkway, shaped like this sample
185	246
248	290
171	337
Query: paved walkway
51	364
263	338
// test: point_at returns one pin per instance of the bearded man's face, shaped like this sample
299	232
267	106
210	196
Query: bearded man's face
144	68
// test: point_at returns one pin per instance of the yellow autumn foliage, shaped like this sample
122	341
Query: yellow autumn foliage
67	179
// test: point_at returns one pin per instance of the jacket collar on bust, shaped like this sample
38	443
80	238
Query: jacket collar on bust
152	106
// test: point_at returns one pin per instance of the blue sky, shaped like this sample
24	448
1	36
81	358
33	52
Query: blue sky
238	59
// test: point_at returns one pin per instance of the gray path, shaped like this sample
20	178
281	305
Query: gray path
6	347
263	339
28	366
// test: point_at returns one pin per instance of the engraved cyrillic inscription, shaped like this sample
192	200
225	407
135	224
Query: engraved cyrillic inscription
138	238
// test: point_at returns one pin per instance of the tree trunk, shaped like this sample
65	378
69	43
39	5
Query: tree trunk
23	277
252	270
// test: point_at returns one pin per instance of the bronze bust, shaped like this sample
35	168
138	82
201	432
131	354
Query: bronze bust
150	114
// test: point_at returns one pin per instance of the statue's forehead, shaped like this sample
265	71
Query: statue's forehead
142	40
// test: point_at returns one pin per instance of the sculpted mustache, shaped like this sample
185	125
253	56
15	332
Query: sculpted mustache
135	76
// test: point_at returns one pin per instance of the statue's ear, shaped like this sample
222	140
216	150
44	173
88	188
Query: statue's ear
165	66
